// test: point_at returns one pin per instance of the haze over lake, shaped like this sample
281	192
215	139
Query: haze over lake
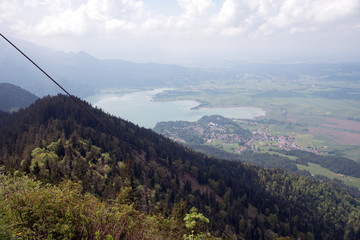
139	108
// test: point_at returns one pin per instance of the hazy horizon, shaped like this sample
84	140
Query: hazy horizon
195	33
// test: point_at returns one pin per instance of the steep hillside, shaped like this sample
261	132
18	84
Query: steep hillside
12	97
54	139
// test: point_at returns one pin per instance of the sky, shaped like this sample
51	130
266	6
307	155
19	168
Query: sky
190	32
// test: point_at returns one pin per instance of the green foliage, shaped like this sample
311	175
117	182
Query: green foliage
31	210
194	219
194	222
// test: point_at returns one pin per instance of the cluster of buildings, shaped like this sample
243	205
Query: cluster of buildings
221	135
282	142
216	132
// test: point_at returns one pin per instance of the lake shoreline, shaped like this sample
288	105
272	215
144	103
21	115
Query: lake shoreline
140	108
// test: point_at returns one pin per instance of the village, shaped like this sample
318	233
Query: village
230	136
282	142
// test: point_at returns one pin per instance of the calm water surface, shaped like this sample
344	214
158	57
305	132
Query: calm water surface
139	108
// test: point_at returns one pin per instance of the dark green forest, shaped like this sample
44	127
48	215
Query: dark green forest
64	176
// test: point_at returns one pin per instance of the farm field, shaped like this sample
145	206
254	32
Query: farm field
320	112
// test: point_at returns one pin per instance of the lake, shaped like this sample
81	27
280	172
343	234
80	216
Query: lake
139	108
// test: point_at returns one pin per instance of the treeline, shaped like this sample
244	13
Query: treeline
55	140
336	164
261	159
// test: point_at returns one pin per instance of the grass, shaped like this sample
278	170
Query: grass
316	169
232	148
283	155
309	140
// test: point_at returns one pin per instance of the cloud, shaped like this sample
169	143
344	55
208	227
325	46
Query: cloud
356	27
201	17
73	22
236	17
194	9
307	14
65	17
268	17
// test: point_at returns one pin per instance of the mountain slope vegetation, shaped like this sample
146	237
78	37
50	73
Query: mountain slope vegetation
54	141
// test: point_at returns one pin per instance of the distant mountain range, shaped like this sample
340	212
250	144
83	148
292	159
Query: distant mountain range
83	75
12	97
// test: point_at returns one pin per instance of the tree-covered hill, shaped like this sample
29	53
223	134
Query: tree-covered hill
12	97
54	140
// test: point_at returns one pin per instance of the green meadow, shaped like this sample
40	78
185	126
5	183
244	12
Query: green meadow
316	169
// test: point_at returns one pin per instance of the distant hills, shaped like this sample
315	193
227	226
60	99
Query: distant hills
12	97
83	75
55	140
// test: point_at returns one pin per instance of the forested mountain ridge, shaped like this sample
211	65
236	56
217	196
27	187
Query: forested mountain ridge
12	97
54	139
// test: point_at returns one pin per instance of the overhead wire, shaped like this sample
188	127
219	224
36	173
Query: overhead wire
112	133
